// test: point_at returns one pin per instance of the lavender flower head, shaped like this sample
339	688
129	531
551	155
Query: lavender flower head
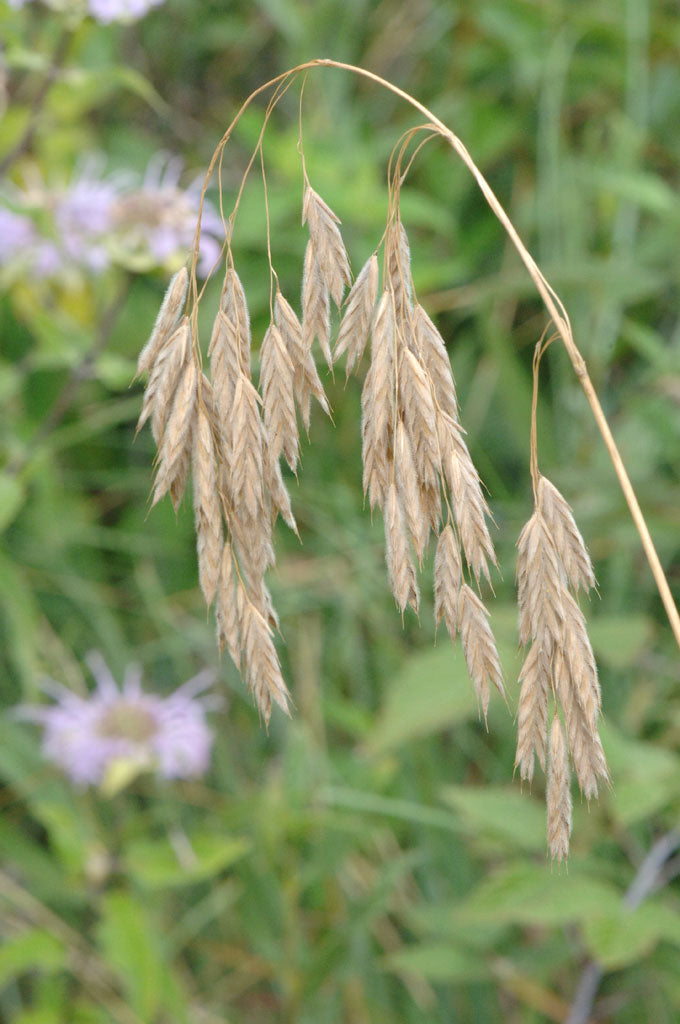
122	731
106	11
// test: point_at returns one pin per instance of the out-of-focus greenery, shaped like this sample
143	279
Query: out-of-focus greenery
372	859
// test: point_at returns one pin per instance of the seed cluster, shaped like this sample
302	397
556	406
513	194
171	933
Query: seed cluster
417	470
560	667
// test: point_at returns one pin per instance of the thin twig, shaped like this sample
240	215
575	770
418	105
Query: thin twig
646	880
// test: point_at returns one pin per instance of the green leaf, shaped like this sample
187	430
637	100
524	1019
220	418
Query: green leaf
531	894
620	639
437	963
621	938
153	863
646	778
12	494
131	946
499	812
432	693
33	950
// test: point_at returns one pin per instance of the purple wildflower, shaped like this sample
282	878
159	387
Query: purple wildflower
88	737
159	217
108	11
17	234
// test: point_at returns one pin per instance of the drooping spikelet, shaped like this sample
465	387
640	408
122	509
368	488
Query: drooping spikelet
479	646
207	510
558	796
356	323
551	558
277	386
167	320
447	580
401	570
329	248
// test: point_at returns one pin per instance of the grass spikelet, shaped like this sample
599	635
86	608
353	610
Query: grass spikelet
329	248
377	406
558	796
261	663
532	712
177	431
447	580
566	536
431	345
316	313
226	608
539	583
356	323
470	508
167	320
409	492
276	385
479	646
417	407
163	377
278	491
306	380
235	307
398	268
246	463
400	568
207	511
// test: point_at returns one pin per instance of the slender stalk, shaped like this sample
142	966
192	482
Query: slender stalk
551	300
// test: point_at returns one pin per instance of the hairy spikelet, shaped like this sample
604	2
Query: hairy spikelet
558	796
278	492
207	511
409	492
356	323
261	663
377	405
433	351
246	465
329	247
400	568
539	582
167	320
167	368
177	432
532	713
479	646
417	408
235	308
306	381
579	653
276	384
398	270
226	608
584	741
316	312
447	580
560	660
470	508
566	536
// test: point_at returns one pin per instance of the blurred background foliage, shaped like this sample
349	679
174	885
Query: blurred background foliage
371	860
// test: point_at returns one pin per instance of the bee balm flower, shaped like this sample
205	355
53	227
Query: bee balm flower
118	732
